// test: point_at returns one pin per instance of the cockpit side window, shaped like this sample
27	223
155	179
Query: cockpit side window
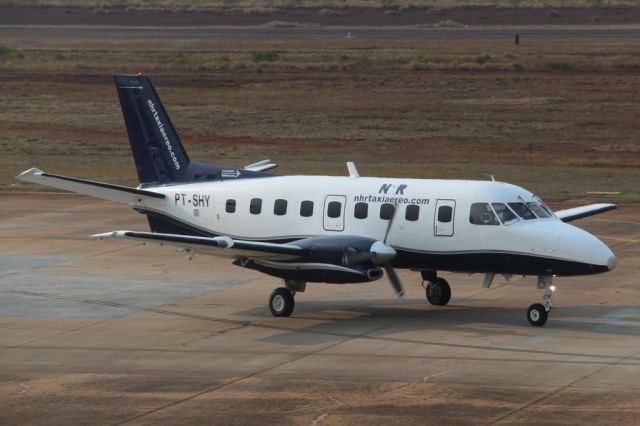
538	210
482	214
522	210
504	213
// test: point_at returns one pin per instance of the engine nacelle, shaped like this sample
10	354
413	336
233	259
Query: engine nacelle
331	259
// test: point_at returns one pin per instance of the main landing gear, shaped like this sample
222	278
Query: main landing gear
538	313
282	302
437	290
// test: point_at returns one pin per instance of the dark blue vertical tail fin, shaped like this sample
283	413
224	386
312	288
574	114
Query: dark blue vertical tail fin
157	150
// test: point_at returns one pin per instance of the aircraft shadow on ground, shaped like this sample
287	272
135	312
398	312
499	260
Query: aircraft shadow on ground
390	319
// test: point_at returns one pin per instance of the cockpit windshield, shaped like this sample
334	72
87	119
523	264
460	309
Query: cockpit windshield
545	207
504	213
538	210
507	213
522	210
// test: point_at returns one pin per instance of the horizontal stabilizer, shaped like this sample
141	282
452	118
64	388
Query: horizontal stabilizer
216	246
261	166
105	191
584	211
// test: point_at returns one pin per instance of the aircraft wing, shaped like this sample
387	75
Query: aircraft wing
579	212
216	246
106	191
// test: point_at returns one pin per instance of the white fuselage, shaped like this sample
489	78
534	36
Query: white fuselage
226	208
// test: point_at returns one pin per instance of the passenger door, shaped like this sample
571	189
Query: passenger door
445	213
333	213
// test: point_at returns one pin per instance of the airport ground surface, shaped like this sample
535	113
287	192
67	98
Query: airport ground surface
106	332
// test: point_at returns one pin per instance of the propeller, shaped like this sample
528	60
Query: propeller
394	280
380	254
391	273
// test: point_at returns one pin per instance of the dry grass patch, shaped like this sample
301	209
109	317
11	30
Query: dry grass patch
313	104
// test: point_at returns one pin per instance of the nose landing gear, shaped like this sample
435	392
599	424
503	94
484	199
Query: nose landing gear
538	313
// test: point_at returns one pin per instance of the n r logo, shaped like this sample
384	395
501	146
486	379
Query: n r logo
384	189
401	189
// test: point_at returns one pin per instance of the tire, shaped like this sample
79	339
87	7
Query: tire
438	292
537	315
281	302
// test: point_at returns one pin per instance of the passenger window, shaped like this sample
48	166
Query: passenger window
481	214
538	210
522	211
334	209
280	207
504	213
231	206
255	207
306	208
445	213
412	213
361	210
386	211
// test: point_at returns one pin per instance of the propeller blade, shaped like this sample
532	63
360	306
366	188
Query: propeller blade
394	280
393	215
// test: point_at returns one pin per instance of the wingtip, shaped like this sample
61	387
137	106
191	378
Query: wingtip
27	173
109	235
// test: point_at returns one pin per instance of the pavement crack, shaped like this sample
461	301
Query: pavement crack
247	376
215	333
6	348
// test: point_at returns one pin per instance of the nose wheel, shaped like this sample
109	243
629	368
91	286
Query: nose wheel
538	313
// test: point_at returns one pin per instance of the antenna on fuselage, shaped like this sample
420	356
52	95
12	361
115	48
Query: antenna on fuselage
353	172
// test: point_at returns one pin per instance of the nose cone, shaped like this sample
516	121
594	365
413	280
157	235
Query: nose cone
602	256
383	253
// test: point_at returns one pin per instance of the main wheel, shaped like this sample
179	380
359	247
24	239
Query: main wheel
281	302
537	315
438	292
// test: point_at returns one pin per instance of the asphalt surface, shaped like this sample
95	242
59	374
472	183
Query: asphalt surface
170	31
110	332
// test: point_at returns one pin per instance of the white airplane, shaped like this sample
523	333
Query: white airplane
337	229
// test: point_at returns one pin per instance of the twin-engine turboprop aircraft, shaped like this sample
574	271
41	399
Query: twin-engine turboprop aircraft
337	229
